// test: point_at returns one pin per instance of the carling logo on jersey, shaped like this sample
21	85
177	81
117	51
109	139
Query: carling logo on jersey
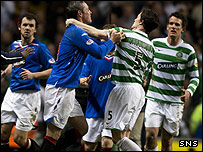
104	77
165	65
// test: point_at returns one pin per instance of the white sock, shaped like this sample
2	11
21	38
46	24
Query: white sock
128	145
155	149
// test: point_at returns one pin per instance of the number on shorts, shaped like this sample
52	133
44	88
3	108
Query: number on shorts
109	115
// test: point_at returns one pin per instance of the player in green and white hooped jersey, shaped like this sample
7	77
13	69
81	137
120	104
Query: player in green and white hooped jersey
166	94
131	62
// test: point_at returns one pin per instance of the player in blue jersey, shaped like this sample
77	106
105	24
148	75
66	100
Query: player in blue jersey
99	89
99	70
21	104
96	74
64	78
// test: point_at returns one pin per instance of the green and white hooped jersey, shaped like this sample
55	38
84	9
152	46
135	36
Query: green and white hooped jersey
169	71
133	58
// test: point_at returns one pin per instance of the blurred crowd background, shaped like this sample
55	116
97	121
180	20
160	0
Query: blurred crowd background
51	15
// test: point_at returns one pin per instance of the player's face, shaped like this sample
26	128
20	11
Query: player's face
174	27
86	16
27	28
136	22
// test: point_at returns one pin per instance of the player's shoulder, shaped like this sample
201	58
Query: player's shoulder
74	28
17	42
117	29
159	40
125	30
74	31
188	46
38	43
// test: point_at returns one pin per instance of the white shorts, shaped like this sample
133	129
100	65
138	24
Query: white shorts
21	107
159	114
123	106
96	130
59	102
77	110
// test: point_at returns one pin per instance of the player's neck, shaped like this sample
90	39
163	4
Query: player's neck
173	40
140	28
27	41
80	19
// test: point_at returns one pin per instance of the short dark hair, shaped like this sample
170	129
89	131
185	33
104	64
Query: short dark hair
73	7
180	16
29	16
109	26
150	18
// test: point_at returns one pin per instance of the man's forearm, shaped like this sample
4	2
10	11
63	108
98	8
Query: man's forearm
8	70
43	74
92	31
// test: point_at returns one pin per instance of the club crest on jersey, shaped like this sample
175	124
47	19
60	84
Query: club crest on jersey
89	42
51	60
179	54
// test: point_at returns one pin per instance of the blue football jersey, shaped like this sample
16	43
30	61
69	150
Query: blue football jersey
72	52
41	60
99	86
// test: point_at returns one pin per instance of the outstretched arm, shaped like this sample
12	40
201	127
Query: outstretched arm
15	55
92	31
